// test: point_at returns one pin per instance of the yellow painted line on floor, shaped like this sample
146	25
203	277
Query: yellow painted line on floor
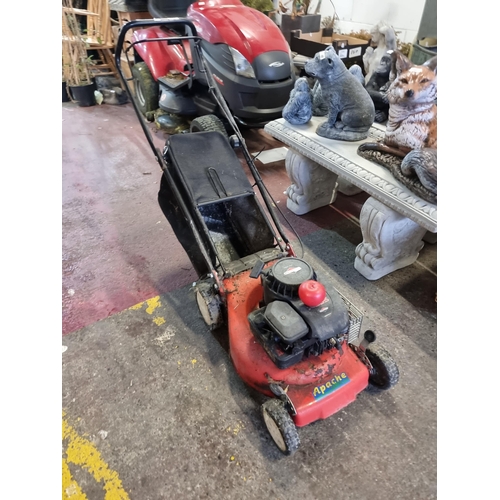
70	488
152	305
81	452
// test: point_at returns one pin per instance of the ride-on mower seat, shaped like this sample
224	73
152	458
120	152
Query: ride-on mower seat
168	8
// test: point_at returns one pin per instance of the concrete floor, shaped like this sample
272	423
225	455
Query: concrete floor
152	407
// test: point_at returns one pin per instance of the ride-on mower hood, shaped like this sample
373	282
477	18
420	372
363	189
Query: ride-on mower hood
247	30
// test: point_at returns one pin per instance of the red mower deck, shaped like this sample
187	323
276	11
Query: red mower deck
317	387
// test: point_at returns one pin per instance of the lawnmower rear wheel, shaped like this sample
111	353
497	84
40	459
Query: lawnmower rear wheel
208	123
280	425
385	372
146	89
209	304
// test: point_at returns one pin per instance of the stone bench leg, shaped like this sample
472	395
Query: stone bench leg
390	241
313	186
348	189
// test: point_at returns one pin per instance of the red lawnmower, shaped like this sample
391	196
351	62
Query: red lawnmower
293	337
246	52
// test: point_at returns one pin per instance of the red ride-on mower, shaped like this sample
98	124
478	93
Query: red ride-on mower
292	336
246	52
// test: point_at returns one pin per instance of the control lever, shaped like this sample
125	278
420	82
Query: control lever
257	269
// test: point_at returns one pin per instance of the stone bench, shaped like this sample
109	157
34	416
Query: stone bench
394	221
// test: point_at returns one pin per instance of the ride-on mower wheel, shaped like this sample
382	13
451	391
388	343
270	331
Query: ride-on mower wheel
146	89
208	123
209	304
280	425
385	372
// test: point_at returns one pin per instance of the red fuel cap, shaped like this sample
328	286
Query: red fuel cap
312	293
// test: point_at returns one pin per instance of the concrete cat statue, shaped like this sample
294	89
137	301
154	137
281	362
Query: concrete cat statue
320	107
351	111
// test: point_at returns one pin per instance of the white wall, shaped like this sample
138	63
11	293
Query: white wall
403	15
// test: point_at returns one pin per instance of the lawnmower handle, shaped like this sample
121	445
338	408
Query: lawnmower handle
140	23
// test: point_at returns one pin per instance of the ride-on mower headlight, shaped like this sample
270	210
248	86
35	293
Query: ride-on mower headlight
241	65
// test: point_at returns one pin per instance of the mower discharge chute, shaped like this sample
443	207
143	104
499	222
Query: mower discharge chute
293	337
246	52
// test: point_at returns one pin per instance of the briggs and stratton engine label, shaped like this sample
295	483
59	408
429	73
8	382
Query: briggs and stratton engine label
331	386
292	270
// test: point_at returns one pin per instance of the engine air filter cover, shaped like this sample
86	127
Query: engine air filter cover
285	321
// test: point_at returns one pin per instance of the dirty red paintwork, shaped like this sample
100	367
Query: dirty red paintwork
308	380
160	57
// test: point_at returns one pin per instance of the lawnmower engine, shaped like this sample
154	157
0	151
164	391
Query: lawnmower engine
298	316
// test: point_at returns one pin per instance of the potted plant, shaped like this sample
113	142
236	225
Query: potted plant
328	22
301	19
264	6
76	63
65	96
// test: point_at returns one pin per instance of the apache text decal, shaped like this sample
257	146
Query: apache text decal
330	386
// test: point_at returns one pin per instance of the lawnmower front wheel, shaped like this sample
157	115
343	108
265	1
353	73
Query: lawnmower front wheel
280	425
146	89
385	372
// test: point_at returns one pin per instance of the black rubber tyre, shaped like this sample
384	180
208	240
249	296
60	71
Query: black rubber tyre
385	373
146	89
280	425
208	123
209	304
